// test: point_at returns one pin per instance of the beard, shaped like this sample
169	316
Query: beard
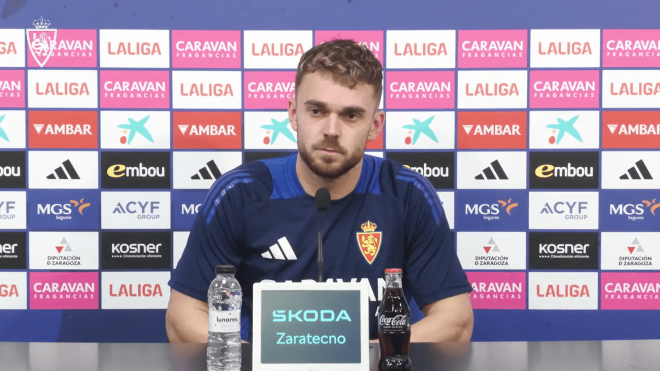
329	167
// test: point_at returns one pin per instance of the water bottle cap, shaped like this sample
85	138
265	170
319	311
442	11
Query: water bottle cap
226	269
393	270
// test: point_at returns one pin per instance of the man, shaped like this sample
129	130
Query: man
261	216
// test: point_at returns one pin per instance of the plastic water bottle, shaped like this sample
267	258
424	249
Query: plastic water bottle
223	352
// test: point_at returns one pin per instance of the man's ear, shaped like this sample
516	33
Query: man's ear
377	125
292	113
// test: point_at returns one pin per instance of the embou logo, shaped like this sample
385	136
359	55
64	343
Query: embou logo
574	170
136	170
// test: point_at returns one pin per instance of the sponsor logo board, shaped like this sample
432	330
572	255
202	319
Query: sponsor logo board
269	130
631	170
564	89
13	290
63	169
12	88
135	89
437	167
563	210
12	169
185	205
420	90
498	290
269	90
64	250
563	291
631	48
206	49
630	291
135	290
135	210
492	250
564	48
135	48
631	89
567	170
275	49
12	48
631	129
12	129
62	89
206	89
207	130
492	170
630	211
60	290
373	40
564	130
130	170
70	48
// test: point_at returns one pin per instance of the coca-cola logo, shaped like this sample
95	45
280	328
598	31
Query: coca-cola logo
398	320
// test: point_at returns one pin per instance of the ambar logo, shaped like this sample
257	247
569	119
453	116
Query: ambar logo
206	49
631	129
63	129
207	130
135	169
492	130
567	170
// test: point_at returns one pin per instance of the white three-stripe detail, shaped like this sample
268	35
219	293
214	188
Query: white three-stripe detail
281	251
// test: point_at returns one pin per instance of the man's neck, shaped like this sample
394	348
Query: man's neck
339	187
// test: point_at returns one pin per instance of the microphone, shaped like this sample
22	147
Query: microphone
322	199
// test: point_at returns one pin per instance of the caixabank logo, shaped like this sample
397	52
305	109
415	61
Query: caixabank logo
135	210
492	250
501	210
563	170
269	130
59	290
496	130
420	90
62	89
12	169
275	49
12	48
420	130
199	170
12	88
13	210
185	207
135	290
630	251
206	49
564	89
135	250
574	250
486	89
206	89
564	48
207	130
135	170
268	90
630	211
631	129
559	130
437	167
13	250
64	250
630	291
492	170
498	290
421	49
492	48
631	89
631	48
563	210
12	129
64	210
135	129
563	291
13	290
63	129
372	40
631	170
135	89
135	48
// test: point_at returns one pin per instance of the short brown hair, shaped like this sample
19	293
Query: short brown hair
348	62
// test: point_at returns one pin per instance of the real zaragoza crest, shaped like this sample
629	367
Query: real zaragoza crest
369	241
41	40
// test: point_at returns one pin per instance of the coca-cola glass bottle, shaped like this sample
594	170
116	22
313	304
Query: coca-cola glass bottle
394	325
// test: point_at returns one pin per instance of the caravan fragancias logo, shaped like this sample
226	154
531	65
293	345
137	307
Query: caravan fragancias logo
41	40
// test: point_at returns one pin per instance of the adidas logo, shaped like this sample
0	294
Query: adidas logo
64	245
494	171
636	247
66	171
491	246
210	171
639	171
280	251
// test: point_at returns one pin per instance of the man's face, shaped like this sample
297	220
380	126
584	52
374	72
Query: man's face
333	123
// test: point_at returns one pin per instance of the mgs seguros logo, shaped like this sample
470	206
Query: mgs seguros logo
12	89
275	49
135	250
492	130
631	129
185	205
437	167
630	211
62	89
135	89
135	210
64	210
64	250
135	48
563	291
492	48
13	250
143	170
567	170
492	250
574	250
630	250
499	210
12	170
206	49
135	290
63	129
13	290
207	130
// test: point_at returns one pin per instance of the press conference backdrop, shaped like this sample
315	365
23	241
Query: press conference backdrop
538	126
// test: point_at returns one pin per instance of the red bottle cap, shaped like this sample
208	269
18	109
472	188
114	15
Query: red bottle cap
393	270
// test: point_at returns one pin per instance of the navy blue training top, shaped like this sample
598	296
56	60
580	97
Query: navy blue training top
258	218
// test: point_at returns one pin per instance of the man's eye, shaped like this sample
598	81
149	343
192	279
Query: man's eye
315	111
352	116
